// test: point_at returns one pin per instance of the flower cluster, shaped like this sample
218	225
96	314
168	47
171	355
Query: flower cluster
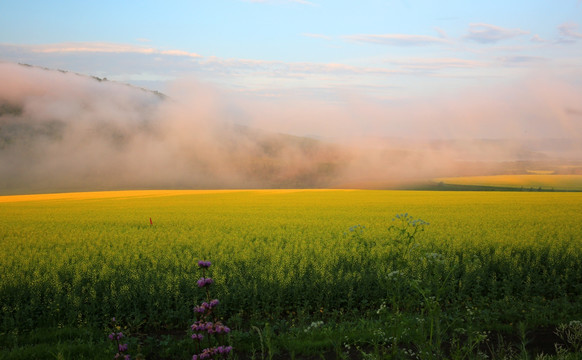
204	282
210	352
206	306
207	328
204	264
114	336
121	348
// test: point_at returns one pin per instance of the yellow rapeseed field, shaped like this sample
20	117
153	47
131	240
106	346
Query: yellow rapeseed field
79	259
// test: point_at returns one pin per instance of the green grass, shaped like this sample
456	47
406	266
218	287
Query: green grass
487	262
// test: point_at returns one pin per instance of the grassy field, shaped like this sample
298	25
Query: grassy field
298	273
537	181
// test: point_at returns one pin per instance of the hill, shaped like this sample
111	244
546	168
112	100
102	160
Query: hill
61	131
525	182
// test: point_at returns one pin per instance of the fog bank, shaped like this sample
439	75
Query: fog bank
64	132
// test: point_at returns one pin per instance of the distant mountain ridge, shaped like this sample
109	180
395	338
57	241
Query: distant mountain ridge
154	92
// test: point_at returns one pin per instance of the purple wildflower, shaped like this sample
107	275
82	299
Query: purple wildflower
123	348
199	326
222	329
204	264
224	349
202	282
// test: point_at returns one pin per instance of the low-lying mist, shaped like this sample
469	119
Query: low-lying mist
66	132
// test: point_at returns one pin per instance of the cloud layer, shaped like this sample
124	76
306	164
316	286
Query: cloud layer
487	33
398	60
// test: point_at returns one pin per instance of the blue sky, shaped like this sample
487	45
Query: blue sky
386	59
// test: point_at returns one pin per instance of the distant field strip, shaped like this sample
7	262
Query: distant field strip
555	182
122	194
104	195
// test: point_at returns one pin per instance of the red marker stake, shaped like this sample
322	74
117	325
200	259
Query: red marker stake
151	223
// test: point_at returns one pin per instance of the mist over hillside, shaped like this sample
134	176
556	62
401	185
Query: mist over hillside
61	131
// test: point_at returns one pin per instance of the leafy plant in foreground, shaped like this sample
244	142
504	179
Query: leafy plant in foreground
571	334
403	233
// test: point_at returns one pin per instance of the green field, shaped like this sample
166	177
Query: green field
492	271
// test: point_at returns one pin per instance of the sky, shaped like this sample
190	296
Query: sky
329	68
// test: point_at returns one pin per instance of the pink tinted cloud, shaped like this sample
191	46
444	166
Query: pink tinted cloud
569	30
397	39
99	47
487	33
538	39
441	32
317	36
438	63
287	69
